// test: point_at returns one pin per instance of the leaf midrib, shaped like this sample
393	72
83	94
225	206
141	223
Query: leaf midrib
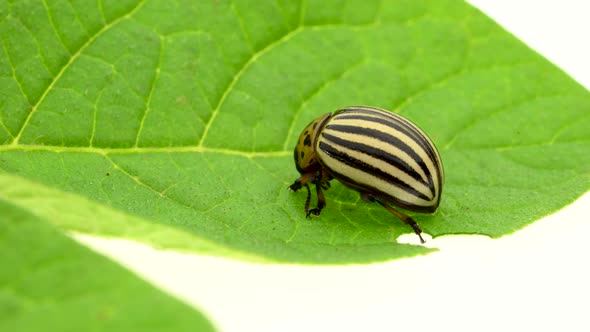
140	150
263	154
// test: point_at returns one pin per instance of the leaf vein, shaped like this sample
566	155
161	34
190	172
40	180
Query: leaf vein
52	23
240	73
68	64
139	150
137	180
243	27
14	76
478	118
151	93
34	38
314	93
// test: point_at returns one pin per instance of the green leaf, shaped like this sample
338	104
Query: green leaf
50	283
180	119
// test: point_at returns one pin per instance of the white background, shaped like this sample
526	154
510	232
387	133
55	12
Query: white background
536	279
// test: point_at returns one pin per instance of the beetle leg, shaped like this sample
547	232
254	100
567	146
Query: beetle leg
302	181
321	202
307	201
324	180
367	198
405	218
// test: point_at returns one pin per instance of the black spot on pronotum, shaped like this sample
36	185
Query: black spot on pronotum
302	154
307	141
315	124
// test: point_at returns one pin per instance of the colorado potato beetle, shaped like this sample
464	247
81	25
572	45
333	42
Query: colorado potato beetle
382	155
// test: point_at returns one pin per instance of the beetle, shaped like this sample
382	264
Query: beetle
382	155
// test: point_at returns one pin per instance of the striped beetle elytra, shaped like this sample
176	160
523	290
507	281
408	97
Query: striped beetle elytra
382	155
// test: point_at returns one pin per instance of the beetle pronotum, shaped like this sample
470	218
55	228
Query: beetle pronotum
384	156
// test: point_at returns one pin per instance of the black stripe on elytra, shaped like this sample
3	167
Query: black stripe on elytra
369	169
410	129
384	137
395	200
381	155
397	125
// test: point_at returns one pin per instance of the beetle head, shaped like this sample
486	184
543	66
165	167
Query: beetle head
305	155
